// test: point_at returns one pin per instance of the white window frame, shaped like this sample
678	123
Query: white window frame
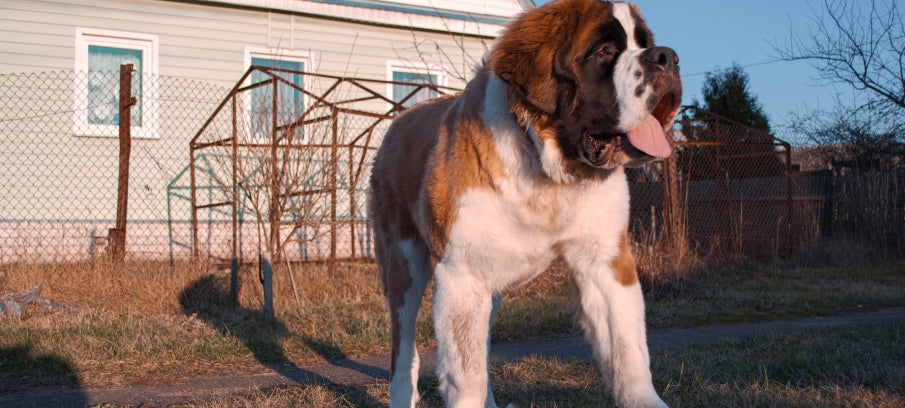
307	60
400	66
149	45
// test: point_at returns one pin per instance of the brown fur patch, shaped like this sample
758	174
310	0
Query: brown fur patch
543	42
464	158
623	265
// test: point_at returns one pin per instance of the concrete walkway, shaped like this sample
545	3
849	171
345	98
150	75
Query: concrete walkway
367	370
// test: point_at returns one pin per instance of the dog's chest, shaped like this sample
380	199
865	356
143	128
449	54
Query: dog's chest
513	233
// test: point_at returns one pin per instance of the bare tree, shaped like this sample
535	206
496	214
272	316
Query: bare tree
852	140
284	167
457	63
858	43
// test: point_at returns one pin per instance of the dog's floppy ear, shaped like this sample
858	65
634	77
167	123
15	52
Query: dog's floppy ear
532	56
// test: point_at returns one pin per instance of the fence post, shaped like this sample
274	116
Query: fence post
672	225
334	158
234	263
352	219
266	265
117	235
790	200
275	211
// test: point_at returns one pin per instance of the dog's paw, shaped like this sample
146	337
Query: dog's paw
648	402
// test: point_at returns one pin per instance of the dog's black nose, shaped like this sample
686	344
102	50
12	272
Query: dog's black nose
662	57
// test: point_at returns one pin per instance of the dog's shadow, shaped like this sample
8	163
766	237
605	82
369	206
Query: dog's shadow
208	300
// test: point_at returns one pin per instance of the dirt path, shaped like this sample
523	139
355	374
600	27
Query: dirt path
369	369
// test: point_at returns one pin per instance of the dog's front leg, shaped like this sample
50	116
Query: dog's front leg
611	308
462	309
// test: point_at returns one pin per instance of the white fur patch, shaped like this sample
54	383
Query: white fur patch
623	13
509	139
633	107
404	384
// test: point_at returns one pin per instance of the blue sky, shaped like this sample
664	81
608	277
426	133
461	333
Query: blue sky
713	34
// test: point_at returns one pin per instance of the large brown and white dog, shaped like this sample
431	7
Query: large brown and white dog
484	190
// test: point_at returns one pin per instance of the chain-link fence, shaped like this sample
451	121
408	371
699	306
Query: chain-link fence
277	163
734	190
59	160
280	162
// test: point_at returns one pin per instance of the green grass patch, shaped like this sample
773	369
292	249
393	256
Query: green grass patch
862	366
771	292
856	367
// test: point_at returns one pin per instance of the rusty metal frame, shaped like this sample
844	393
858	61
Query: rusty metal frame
325	100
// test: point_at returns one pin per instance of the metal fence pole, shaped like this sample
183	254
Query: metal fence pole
352	219
790	204
276	179
126	101
334	157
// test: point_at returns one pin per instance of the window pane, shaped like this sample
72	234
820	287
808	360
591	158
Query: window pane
103	83
401	91
290	100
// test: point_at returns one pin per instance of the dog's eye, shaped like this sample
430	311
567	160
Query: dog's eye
605	52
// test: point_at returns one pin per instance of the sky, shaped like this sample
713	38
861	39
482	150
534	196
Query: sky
713	34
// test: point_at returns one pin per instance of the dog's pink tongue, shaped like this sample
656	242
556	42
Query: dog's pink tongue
649	138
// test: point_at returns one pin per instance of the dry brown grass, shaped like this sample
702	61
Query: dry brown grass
148	321
663	260
151	287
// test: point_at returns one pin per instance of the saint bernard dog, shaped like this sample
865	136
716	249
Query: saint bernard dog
483	190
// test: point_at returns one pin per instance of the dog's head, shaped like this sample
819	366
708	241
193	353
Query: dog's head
590	70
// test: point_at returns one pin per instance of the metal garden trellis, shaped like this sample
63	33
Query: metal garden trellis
342	98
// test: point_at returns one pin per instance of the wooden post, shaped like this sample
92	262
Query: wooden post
234	263
672	226
117	235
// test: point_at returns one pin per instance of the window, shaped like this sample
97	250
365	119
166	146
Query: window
290	100
402	73
99	54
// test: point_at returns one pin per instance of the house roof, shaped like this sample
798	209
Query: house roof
479	18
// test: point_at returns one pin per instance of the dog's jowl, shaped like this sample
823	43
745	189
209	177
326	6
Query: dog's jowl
482	191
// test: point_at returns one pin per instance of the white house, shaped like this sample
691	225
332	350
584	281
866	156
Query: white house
58	110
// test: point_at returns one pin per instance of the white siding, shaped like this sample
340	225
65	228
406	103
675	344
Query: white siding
207	43
488	7
50	174
474	16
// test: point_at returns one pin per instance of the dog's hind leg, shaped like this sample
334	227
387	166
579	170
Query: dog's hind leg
406	270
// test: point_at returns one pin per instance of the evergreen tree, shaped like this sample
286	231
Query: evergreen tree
727	93
747	149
